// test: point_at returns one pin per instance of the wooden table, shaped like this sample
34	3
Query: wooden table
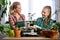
27	38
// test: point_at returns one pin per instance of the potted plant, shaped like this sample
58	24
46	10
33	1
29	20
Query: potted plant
56	26
55	30
17	32
11	33
8	31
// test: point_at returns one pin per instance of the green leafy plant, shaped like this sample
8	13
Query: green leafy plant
1	28
3	2
17	27
3	6
56	26
7	26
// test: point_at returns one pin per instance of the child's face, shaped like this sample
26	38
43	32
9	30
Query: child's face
45	12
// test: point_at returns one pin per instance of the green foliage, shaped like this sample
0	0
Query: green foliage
1	28
56	26
11	33
7	26
57	23
3	2
35	22
17	27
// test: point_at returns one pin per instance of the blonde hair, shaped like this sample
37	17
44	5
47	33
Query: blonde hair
13	7
49	16
11	10
15	4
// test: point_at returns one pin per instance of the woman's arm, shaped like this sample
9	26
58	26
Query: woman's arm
11	21
39	22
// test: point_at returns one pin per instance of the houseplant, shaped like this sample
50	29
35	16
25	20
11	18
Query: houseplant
55	30
11	33
17	32
7	29
3	4
56	26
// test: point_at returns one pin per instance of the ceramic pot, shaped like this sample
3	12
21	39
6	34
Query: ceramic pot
51	33
17	33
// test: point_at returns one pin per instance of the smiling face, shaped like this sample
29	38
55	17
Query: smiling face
18	9
45	12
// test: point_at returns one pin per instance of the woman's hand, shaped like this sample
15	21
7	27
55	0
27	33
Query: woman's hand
37	27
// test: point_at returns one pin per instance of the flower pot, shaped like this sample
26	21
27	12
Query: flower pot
17	33
51	33
54	34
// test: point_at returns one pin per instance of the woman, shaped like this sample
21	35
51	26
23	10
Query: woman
45	22
16	18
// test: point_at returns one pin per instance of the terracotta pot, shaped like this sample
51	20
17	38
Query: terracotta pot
54	34
17	33
51	33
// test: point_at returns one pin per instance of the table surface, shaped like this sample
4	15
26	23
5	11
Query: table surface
28	38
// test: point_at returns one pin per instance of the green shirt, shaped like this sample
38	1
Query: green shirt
41	24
